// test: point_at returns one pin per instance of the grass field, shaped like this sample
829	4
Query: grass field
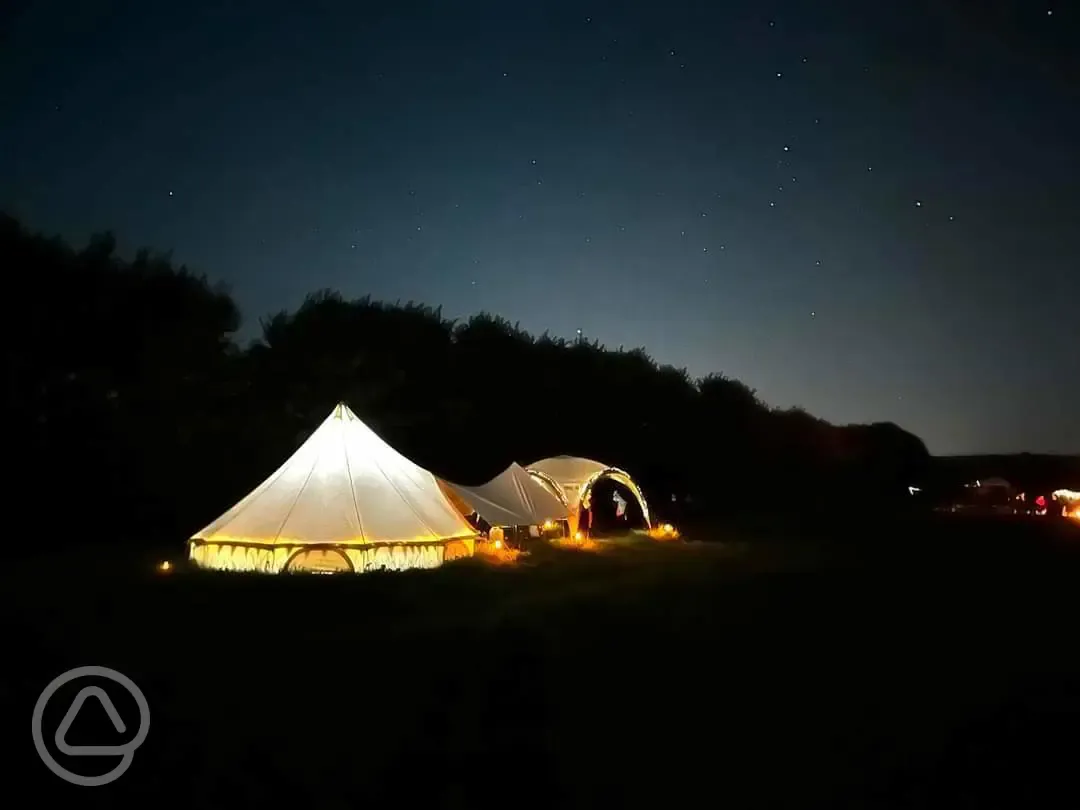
889	664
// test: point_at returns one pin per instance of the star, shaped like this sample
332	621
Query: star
779	75
417	227
792	179
817	120
804	60
588	19
682	233
813	314
354	245
170	193
918	203
772	204
671	52
869	168
704	214
771	23
704	250
473	283
779	188
817	263
722	247
951	219
787	148
534	161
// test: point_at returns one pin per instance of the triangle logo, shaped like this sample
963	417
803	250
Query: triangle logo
69	718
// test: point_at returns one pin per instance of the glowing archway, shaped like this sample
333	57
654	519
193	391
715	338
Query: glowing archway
619	477
572	479
551	485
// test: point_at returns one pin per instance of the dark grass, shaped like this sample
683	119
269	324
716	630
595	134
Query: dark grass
860	663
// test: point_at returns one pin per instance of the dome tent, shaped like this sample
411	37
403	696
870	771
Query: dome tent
572	478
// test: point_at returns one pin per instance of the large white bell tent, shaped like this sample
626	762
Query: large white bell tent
344	501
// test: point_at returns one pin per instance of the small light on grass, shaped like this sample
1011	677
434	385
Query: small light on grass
164	566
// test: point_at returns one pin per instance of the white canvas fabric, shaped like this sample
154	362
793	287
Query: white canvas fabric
570	473
512	498
343	485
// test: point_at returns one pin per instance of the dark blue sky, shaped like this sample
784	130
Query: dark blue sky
867	209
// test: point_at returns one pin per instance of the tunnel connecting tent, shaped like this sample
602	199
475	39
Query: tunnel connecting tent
571	479
512	498
344	501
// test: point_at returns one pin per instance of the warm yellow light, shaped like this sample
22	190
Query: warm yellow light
579	535
498	544
549	525
165	565
619	476
664	531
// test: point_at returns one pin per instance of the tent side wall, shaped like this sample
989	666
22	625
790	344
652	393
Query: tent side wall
456	500
275	559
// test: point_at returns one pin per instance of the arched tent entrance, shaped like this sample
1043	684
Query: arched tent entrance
610	508
318	561
575	478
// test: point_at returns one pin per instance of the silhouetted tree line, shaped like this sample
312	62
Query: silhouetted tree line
132	410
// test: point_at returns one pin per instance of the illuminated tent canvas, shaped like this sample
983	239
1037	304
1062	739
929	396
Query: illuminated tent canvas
571	478
344	501
512	498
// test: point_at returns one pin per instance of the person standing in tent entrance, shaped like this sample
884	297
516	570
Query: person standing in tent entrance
620	506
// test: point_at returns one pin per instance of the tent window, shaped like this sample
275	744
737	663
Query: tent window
319	561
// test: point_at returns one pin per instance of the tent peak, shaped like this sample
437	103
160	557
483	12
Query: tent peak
343	412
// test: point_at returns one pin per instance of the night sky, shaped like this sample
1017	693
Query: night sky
867	209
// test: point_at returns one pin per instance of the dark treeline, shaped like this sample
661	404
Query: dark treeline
134	410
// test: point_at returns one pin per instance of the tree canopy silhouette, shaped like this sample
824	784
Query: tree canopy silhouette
125	380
